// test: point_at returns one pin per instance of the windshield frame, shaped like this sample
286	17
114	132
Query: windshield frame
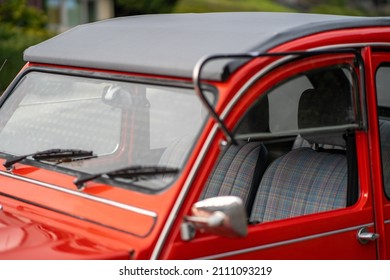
112	77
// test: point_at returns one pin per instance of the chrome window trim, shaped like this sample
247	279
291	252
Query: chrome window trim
285	242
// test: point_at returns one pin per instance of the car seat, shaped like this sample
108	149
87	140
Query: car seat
305	180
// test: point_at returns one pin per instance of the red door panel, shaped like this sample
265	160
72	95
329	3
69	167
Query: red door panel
324	235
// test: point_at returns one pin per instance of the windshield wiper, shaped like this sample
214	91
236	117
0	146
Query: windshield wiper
132	172
57	155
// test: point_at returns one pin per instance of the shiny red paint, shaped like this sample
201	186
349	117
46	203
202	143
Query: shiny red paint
296	238
41	223
378	58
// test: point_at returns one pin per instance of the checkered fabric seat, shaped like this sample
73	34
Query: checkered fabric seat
384	127
302	182
238	172
305	180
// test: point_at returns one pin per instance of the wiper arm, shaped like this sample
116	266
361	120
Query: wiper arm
57	155
137	172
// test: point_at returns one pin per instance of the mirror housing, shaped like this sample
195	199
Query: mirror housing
118	97
222	215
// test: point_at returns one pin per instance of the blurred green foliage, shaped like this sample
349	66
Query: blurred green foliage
198	6
337	10
339	7
137	7
20	27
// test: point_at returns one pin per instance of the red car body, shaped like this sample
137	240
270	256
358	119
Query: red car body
44	215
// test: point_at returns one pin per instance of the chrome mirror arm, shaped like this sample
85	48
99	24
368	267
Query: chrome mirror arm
198	89
216	219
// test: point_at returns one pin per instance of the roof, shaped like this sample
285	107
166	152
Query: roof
171	44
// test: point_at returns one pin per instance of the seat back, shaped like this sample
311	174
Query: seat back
240	167
238	172
305	180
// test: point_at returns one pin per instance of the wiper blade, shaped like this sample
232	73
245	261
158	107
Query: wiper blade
133	172
58	155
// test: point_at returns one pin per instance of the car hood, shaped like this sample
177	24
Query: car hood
23	238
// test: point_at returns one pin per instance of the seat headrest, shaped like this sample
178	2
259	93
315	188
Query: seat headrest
324	108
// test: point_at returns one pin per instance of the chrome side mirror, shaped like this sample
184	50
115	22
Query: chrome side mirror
118	97
222	215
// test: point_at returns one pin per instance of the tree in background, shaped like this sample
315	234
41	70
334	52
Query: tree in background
20	27
137	7
200	6
17	13
341	7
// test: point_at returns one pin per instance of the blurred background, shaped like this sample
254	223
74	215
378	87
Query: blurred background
27	22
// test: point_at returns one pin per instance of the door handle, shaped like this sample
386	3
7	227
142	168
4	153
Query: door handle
364	236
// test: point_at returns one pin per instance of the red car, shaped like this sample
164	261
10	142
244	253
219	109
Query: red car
200	136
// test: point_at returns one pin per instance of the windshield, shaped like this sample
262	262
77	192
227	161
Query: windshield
123	124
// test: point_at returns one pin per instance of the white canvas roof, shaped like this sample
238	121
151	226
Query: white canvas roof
171	44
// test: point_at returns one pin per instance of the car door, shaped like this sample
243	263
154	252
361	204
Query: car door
380	73
290	218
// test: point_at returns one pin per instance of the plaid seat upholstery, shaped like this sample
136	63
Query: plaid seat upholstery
304	180
301	182
238	172
384	127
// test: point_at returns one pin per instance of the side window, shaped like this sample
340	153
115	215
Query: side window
383	97
296	149
311	145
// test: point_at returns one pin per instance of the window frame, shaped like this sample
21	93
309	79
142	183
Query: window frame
112	77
